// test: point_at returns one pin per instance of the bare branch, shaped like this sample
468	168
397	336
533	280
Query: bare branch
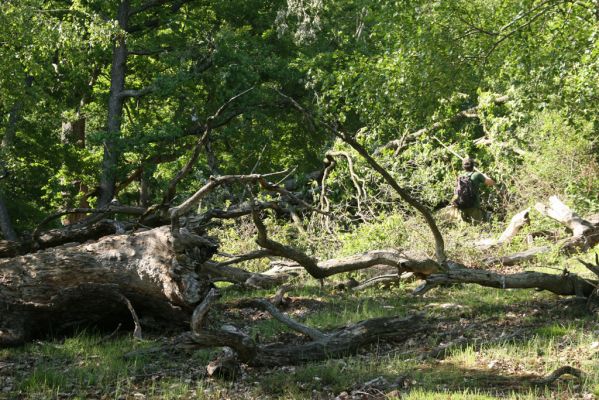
320	270
278	189
314	334
253	255
118	209
565	284
516	223
199	314
430	221
176	212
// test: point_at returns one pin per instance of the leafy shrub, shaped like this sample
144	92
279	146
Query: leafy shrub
387	231
561	162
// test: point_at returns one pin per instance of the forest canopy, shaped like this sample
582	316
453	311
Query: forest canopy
161	159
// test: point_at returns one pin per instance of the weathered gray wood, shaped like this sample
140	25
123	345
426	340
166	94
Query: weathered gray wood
340	342
557	210
516	223
517	258
564	284
80	283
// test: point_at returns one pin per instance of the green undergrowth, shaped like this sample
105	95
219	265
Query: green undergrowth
500	341
554	332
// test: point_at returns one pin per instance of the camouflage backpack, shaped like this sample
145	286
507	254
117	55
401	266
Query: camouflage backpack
465	192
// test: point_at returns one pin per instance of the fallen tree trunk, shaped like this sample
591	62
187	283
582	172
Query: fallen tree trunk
585	234
53	290
565	284
57	237
516	223
340	342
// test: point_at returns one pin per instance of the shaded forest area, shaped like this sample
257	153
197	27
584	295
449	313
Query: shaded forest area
219	199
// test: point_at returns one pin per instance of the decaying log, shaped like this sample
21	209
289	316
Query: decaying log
57	237
73	284
516	223
563	214
324	345
517	258
323	269
566	284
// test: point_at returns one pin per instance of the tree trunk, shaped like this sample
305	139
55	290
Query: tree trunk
115	109
565	284
340	342
5	222
71	285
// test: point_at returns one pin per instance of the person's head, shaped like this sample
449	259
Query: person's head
468	164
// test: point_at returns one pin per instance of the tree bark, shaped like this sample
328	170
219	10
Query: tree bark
516	223
115	109
563	214
565	284
339	342
6	226
70	285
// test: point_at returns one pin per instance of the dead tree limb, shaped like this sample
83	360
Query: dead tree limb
585	233
399	144
323	269
557	210
384	280
593	268
253	255
337	343
565	284
356	180
403	194
517	258
264	305
216	272
330	164
517	222
279	298
177	212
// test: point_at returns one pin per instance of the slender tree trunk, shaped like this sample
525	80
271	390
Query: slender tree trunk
115	110
8	139
145	194
5	223
74	133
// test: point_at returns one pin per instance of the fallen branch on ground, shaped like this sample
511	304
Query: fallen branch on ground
324	345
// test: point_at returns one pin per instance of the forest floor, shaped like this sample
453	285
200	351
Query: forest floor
477	343
501	342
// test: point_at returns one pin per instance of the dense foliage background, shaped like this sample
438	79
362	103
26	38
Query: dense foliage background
381	69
